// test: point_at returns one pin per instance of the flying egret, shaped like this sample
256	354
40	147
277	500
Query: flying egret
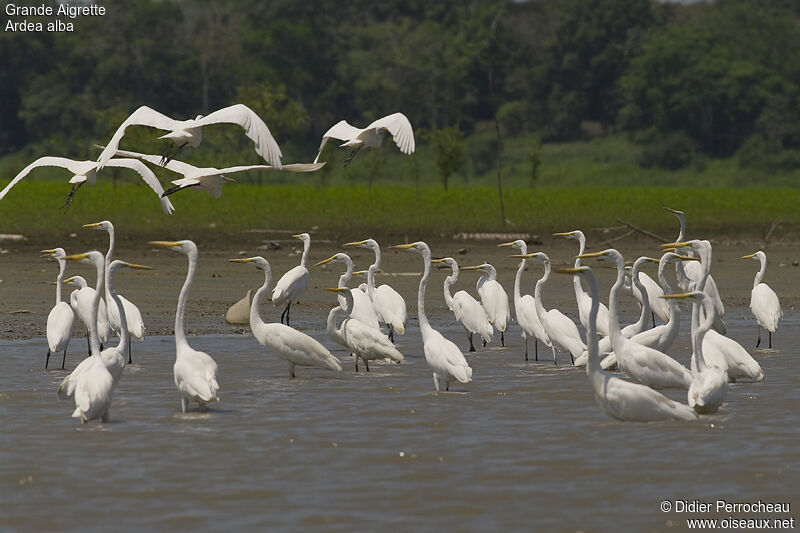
525	306
284	341
709	383
294	282
764	302
362	309
441	354
86	172
61	316
195	371
133	316
396	124
366	343
113	357
493	298
190	131
644	364
560	329
210	179
620	399
387	302
719	350
662	336
689	275
582	297
467	310
94	385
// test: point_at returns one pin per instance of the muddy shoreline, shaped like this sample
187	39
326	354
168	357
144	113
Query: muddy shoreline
26	297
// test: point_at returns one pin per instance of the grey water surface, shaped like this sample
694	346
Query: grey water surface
523	447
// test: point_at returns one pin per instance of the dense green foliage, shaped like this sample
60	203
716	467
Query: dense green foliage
685	82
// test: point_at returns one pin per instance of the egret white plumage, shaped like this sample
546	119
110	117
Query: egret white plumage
441	354
210	179
81	302
93	386
284	341
525	306
133	316
644	364
709	383
764	303
195	371
113	357
467	310
719	350
560	329
396	124
366	343
362	309
387	302
86	172
493	299
61	316
294	282
190	132
620	399
581	296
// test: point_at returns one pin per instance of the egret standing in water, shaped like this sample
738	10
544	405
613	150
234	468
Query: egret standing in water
61	316
284	341
493	299
764	302
467	310
620	399
293	283
441	354
362	308
195	371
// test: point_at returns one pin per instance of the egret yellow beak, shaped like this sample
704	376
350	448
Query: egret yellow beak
360	273
750	256
682	296
440	260
675	245
76	257
226	178
563	234
138	267
47	253
523	256
673	211
326	261
298	236
571	270
401	246
472	267
240	260
336	289
356	243
506	244
590	255
164	244
93	225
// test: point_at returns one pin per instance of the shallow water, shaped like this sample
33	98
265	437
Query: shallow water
523	447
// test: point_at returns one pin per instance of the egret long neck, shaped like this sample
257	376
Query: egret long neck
94	337
180	334
109	258
576	279
760	275
448	282
371	280
124	335
674	310
613	307
518	283
537	293
699	330
343	279
306	247
645	300
255	317
593	365
423	283
62	267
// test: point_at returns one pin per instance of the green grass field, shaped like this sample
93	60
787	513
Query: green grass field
354	211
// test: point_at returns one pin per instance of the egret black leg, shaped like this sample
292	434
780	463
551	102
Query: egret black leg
770	340
352	155
130	360
471	346
46	361
758	340
64	359
526	348
502	339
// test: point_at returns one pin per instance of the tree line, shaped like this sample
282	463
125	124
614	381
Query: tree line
720	79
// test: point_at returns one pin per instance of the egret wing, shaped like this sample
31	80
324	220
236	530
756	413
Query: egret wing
149	178
398	125
76	167
254	128
342	131
144	116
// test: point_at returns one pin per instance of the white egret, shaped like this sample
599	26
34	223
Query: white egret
644	364
294	282
86	172
719	350
362	309
709	383
662	336
582	297
620	399
689	275
190	131
764	302
93	386
525	306
441	354
81	302
61	316
195	371
366	343
396	124
133	316
210	179
493	298
467	310
387	302
560	329
284	341
113	357
657	305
